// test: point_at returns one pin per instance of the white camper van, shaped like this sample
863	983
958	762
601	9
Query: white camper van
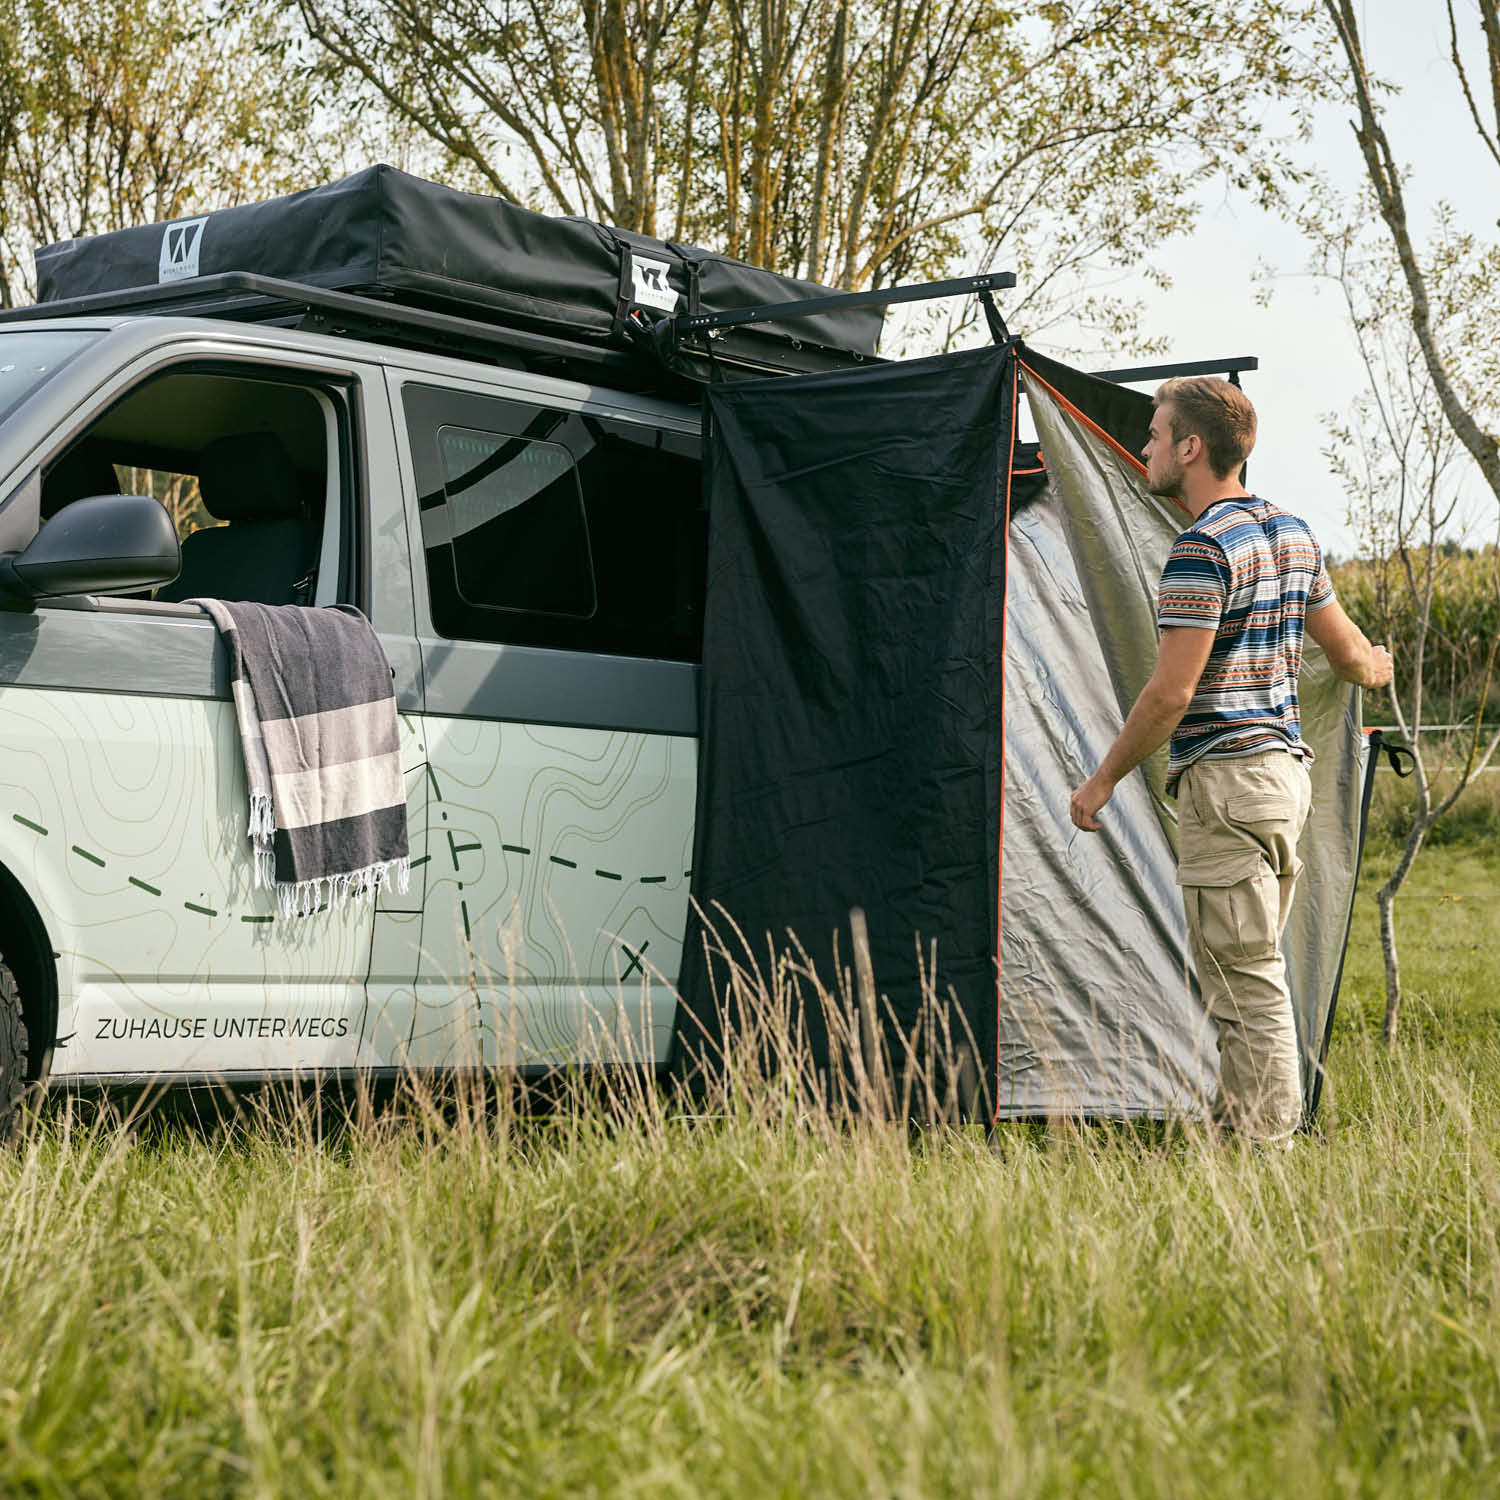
510	493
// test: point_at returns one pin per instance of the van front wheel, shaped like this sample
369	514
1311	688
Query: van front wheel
12	1051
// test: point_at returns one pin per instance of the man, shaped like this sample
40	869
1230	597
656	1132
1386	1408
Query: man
1237	590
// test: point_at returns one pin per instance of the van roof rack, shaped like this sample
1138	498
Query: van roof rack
673	354
245	297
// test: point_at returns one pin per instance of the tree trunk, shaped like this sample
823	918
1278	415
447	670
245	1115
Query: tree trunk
830	108
1385	899
1385	180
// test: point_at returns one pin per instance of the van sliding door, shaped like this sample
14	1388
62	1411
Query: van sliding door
559	596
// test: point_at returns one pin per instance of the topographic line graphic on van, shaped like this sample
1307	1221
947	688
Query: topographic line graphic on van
555	892
127	832
554	881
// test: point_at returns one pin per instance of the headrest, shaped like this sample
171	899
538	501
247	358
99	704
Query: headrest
248	477
76	475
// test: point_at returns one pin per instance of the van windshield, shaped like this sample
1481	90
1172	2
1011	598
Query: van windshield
31	357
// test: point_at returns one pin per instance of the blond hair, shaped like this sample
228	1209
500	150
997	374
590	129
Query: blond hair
1214	410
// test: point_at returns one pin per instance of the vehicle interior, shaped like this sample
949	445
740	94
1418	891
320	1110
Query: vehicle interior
247	467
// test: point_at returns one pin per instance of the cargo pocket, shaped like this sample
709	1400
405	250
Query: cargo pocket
1238	922
1258	807
1222	867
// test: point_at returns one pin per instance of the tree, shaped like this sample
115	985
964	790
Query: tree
854	142
1461	364
1404	470
131	111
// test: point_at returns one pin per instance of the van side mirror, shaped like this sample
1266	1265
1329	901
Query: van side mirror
106	544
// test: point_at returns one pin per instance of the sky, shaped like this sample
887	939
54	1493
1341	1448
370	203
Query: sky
1308	362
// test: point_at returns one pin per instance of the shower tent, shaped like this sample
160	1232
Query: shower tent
921	635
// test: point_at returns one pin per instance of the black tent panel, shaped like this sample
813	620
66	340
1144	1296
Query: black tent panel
1116	412
852	678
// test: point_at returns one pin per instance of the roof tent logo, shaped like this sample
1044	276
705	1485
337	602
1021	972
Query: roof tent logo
180	244
651	286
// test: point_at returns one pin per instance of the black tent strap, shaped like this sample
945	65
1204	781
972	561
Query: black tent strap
1230	367
1398	757
999	333
685	323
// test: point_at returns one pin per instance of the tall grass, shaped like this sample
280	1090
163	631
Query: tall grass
455	1297
1473	821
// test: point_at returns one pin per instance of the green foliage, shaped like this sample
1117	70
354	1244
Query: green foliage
133	111
611	1301
857	142
1451	921
1473	822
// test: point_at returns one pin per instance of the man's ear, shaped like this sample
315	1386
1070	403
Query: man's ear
1194	445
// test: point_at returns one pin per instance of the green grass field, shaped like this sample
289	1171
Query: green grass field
770	1306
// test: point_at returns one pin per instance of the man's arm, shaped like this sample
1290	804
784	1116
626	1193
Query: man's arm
1157	712
1349	651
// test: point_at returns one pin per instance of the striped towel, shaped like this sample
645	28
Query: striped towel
317	716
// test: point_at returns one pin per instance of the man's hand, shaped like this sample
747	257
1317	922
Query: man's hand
1087	801
1381	668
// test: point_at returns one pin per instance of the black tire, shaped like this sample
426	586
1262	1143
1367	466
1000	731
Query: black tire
13	1049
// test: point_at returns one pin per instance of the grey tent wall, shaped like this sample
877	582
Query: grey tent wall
1100	1013
1314	1091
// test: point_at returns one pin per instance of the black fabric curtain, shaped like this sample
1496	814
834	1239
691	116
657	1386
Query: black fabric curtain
851	730
1124	414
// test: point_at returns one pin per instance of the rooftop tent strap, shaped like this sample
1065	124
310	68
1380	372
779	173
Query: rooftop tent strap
851	713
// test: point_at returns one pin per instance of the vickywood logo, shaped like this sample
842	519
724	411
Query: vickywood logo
180	246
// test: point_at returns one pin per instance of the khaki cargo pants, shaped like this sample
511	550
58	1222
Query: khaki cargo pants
1238	823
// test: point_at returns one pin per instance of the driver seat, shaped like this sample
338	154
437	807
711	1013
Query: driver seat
267	552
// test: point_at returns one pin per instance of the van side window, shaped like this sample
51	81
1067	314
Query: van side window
247	462
546	527
513	524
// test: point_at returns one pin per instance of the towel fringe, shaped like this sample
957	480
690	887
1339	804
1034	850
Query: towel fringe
304	897
262	819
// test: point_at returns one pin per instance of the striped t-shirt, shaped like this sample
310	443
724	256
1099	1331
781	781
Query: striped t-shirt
1248	572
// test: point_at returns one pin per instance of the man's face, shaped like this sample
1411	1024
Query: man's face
1163	467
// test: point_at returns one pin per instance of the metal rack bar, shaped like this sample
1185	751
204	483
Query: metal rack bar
685	323
1229	367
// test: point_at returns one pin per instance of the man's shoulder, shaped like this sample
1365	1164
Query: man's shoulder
1236	524
1195	544
1270	514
